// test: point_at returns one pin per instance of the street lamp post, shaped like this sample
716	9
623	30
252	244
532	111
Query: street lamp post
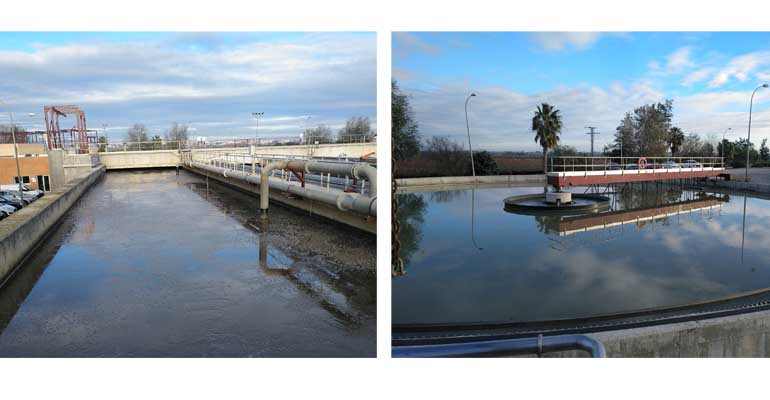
106	139
16	155
257	115
748	141
470	149
723	142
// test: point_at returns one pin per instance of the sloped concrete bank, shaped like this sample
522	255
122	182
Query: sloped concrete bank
22	231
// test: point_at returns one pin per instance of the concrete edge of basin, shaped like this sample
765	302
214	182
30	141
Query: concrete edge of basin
461	180
21	232
741	335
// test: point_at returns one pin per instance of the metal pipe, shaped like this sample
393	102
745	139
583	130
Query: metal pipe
344	201
505	347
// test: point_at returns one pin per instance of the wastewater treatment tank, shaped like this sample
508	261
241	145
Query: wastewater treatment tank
557	203
632	256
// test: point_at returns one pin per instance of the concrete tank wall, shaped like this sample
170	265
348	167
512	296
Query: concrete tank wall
140	159
350	150
20	233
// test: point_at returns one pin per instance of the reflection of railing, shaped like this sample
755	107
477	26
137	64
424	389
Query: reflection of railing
506	347
632	164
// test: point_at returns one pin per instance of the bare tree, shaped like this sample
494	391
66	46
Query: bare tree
356	129
448	156
320	134
136	133
177	134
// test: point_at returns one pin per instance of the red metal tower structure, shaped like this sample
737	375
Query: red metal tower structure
79	136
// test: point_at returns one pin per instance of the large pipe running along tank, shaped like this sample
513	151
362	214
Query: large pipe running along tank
344	201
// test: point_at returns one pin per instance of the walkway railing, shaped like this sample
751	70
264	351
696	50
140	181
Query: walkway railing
583	164
251	164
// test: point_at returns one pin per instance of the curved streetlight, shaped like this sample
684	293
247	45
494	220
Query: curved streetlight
470	149
748	141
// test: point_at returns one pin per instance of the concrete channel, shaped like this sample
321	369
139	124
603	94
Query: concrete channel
21	232
155	263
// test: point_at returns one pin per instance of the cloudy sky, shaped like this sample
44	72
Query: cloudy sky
212	81
593	78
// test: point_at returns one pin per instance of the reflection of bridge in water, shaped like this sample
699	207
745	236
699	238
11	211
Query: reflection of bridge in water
585	223
588	171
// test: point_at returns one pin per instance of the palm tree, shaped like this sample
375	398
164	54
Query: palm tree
547	125
675	139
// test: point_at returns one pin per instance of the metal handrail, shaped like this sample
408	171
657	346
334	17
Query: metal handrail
580	163
505	347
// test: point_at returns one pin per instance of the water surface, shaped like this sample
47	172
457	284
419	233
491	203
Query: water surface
155	264
501	266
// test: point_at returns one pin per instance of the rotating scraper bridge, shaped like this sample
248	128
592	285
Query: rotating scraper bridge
564	172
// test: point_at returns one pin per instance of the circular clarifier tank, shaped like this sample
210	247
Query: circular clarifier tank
556	203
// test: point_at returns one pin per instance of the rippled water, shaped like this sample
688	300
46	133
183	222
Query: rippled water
472	264
155	264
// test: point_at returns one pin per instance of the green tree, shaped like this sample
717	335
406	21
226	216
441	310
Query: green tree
547	126
739	154
102	144
484	163
764	152
652	123
404	130
563	150
675	139
157	142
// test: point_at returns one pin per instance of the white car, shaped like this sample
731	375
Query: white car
14	195
671	165
27	191
8	210
692	164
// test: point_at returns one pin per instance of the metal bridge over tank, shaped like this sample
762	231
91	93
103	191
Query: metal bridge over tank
587	171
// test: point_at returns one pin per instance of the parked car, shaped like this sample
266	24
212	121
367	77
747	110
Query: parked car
27	191
613	167
11	202
671	165
14	195
632	166
7	209
692	164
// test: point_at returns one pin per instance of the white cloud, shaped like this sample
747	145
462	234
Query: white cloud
330	76
405	43
697	76
740	68
679	60
560	40
500	118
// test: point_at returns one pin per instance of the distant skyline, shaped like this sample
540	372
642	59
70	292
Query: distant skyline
212	81
593	78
